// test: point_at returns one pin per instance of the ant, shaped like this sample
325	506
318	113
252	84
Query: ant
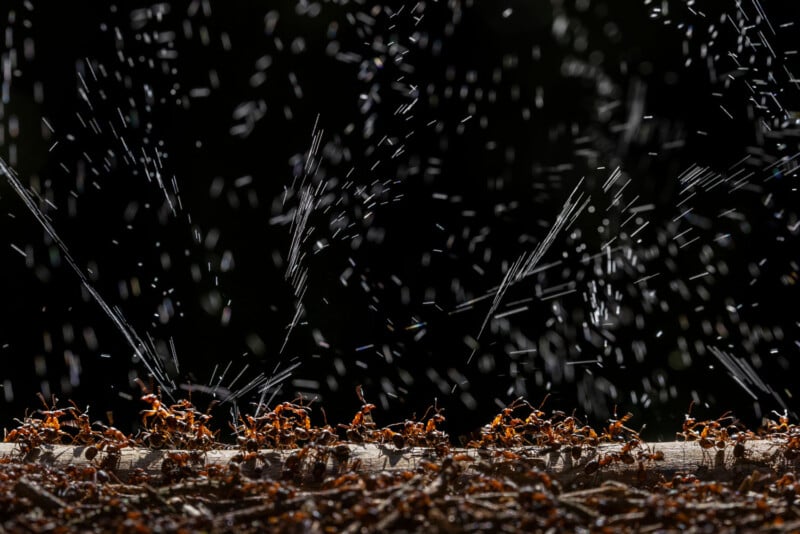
179	465
85	434
293	463
26	436
433	437
51	426
782	426
623	456
157	409
362	427
616	428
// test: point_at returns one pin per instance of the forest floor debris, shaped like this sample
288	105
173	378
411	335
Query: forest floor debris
524	471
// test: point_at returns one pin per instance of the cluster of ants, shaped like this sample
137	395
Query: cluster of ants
181	426
288	426
716	434
410	433
51	428
177	426
726	431
787	433
564	433
559	430
513	482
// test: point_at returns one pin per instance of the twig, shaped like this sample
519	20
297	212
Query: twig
38	495
679	457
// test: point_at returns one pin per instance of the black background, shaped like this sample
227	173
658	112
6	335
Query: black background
637	50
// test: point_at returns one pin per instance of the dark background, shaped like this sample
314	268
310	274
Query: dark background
223	91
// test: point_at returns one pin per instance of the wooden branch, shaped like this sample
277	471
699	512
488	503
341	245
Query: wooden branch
686	458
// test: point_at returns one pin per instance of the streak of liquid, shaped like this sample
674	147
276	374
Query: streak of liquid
144	352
